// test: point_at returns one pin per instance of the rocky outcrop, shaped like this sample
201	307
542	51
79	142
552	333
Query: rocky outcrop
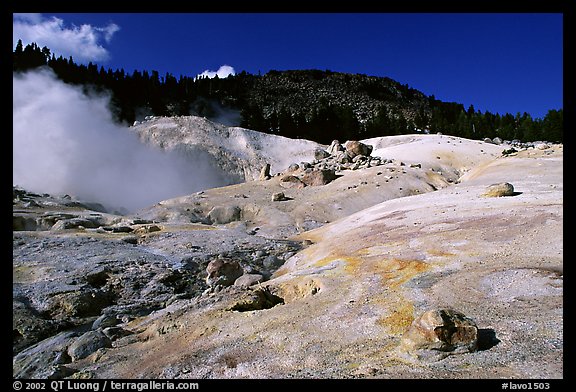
438	333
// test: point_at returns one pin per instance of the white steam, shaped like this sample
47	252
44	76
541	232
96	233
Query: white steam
66	142
223	72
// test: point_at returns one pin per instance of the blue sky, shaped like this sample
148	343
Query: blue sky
500	62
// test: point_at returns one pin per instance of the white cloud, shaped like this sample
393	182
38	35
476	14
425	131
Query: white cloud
223	72
83	42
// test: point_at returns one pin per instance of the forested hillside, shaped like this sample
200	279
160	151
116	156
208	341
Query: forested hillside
312	104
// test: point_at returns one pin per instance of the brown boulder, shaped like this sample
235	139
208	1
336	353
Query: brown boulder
498	190
438	333
354	148
319	177
223	272
290	181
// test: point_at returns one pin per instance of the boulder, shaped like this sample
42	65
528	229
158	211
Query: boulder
438	333
248	280
320	154
354	148
293	167
319	177
265	173
498	190
290	181
278	196
335	147
223	272
87	344
272	262
222	215
105	321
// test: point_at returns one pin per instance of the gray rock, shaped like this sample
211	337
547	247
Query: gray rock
293	167
320	154
37	361
247	280
66	224
115	332
265	173
87	344
105	321
222	215
272	262
335	148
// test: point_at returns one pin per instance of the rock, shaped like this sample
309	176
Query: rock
320	154
438	333
147	229
37	361
319	177
272	262
354	148
487	140
265	173
247	280
222	215
66	224
115	332
335	148
105	321
87	344
122	229
498	190
497	140
223	272
278	196
509	151
21	223
131	239
293	167
258	299
80	303
542	146
342	157
28	327
290	181
57	372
